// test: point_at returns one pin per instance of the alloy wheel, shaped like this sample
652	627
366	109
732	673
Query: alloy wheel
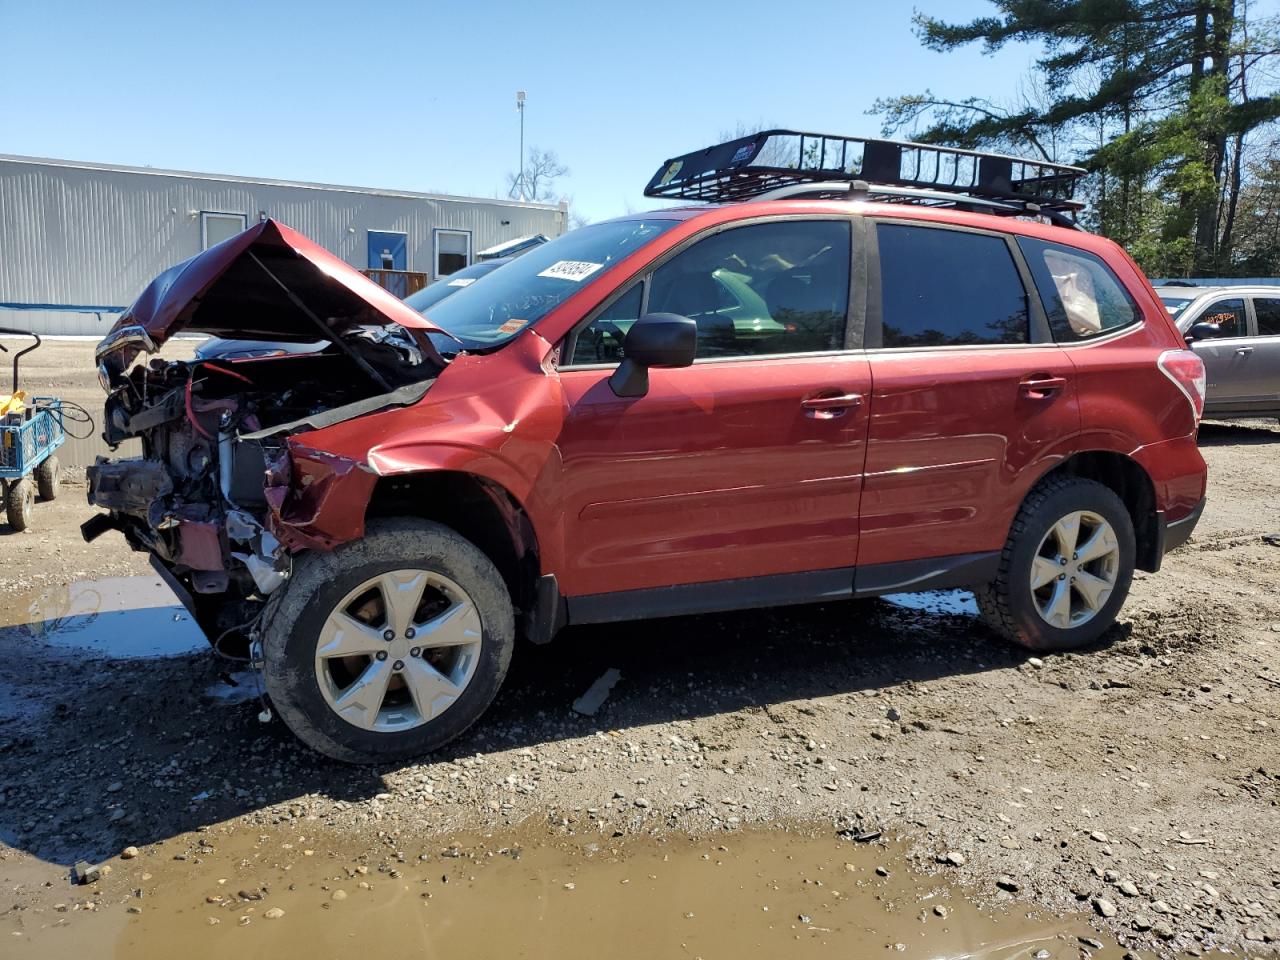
1075	569
398	650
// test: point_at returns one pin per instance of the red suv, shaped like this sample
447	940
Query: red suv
847	380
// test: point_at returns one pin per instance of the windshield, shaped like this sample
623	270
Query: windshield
519	295
1175	305
448	286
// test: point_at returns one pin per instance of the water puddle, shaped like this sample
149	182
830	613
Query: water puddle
754	894
120	617
952	603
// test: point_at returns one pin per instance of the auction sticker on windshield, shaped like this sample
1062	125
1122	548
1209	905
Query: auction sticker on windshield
575	270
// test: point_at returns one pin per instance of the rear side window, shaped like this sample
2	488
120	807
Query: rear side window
943	288
1082	297
1268	313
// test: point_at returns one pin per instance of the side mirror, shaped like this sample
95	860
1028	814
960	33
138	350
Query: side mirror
655	340
1203	331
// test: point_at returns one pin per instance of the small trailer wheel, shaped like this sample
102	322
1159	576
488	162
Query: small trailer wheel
19	501
48	477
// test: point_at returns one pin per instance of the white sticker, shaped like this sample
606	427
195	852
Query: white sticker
461	282
575	270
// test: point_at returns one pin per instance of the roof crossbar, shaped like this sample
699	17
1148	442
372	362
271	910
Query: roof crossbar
751	166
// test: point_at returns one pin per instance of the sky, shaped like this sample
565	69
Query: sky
421	96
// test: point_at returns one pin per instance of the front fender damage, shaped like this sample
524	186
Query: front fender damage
316	500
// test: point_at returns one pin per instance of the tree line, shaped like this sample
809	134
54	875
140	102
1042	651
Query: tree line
1171	105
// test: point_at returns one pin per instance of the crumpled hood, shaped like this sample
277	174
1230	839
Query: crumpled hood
225	292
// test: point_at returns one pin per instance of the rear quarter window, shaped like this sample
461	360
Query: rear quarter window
1082	298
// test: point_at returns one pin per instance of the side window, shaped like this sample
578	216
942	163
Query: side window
1228	316
1267	312
763	289
601	340
1082	297
949	288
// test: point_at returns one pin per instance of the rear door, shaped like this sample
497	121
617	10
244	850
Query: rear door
969	393
747	463
1263	383
1229	357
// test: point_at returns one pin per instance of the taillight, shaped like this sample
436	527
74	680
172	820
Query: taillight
1186	370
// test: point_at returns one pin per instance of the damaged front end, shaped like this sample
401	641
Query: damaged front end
224	492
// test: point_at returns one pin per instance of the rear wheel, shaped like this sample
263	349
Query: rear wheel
1065	569
48	478
19	503
390	646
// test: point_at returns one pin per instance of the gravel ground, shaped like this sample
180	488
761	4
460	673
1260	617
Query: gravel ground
1139	779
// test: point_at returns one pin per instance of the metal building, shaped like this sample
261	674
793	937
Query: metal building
79	241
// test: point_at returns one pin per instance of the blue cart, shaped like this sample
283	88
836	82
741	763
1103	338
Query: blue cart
31	429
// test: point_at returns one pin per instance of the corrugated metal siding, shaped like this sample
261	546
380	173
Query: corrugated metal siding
84	235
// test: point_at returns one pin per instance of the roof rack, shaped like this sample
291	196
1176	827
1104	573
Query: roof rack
775	163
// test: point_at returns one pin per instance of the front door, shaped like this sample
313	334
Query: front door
1228	357
746	464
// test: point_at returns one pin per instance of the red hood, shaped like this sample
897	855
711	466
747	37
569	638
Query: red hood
223	292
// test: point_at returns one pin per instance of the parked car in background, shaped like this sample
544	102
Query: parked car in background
1236	332
940	392
216	348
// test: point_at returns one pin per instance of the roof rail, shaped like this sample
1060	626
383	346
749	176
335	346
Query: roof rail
771	161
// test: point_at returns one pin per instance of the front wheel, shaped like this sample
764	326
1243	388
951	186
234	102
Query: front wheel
390	646
1065	569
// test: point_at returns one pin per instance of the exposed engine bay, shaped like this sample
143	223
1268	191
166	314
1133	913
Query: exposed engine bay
205	496
222	495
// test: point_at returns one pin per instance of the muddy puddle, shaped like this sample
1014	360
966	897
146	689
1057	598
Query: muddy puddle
952	603
119	617
751	894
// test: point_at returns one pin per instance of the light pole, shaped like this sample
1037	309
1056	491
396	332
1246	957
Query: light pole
520	107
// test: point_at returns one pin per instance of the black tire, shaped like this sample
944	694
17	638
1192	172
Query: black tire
19	503
319	583
48	477
1007	604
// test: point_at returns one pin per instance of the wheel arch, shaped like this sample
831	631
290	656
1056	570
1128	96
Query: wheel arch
477	508
1133	485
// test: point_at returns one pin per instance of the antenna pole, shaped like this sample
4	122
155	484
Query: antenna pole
520	107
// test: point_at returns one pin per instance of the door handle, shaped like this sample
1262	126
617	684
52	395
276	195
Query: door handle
1040	386
1244	351
829	402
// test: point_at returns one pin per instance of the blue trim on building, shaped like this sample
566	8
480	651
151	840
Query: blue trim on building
61	307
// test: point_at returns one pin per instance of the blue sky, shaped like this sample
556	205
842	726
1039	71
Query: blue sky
420	96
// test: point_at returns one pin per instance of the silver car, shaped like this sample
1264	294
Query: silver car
1236	332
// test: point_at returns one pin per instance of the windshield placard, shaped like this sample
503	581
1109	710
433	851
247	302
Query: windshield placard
575	270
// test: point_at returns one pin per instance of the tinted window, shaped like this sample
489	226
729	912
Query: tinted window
1267	312
1082	297
948	288
1228	316
768	288
601	340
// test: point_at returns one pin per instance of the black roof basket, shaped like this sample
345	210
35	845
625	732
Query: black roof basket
788	162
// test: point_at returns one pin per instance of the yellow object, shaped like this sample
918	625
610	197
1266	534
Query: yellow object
12	403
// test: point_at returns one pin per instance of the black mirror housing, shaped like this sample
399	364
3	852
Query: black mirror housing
1203	331
655	340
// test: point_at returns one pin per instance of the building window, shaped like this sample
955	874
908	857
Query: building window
453	251
216	227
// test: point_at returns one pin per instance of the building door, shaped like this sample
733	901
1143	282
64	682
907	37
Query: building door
389	251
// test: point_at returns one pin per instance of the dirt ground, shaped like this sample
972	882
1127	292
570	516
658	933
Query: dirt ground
1135	784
